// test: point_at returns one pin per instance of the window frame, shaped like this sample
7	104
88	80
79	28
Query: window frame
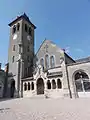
26	28
46	61
42	59
18	26
52	61
13	59
14	29
30	31
14	47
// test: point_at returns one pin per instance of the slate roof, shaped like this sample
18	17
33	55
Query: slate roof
83	59
24	16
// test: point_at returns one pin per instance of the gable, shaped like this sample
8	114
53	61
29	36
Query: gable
50	48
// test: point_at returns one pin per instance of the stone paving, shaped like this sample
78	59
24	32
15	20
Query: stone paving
45	109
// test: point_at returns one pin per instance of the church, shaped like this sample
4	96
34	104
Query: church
49	72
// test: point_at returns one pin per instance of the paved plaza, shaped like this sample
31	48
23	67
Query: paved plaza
45	109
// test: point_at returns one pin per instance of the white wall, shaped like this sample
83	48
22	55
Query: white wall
71	71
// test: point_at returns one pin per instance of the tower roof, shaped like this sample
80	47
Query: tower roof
25	17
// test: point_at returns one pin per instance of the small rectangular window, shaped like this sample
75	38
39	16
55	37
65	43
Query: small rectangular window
13	59
30	31
14	48
14	29
20	49
28	49
28	59
26	27
18	27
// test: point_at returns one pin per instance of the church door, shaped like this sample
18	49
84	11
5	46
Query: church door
40	86
12	89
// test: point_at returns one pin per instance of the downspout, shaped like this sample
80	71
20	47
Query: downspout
70	93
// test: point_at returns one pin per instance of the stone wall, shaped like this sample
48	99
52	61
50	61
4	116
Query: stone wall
72	69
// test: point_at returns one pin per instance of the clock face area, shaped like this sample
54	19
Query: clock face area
28	38
14	36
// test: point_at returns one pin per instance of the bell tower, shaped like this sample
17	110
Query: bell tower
21	49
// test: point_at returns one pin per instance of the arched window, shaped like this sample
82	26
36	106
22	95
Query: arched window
13	58
14	48
18	26
48	84
25	86
53	84
42	63
82	81
28	86
30	31
14	29
59	84
12	88
26	28
46	61
52	61
32	86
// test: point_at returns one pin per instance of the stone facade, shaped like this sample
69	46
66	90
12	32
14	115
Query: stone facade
21	49
2	80
49	72
72	70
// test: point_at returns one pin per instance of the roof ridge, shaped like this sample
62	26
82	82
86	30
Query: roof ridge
23	16
40	47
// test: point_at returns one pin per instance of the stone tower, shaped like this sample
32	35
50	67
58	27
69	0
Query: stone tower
21	49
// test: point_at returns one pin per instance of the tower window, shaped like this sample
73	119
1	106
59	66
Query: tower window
13	58
18	26
30	31
14	29
28	49
28	58
20	49
14	48
26	27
